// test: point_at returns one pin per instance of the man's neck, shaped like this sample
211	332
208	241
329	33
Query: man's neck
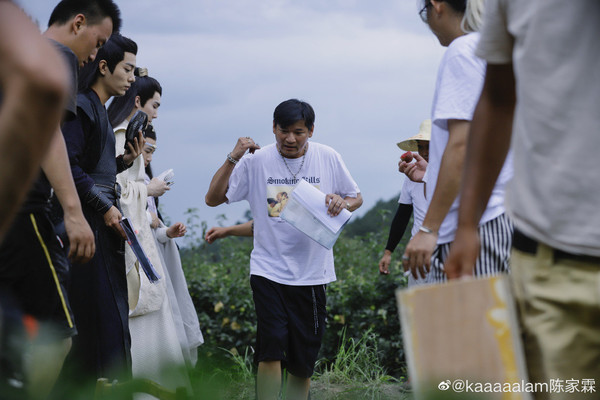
131	113
58	35
101	92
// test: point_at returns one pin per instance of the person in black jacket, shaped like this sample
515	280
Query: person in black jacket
98	289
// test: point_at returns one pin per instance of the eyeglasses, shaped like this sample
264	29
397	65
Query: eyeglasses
423	12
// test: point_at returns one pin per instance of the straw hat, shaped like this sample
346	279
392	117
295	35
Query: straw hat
410	144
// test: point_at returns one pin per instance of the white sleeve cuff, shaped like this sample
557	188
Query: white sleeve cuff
161	234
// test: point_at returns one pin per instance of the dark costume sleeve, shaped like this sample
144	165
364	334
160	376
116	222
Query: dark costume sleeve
121	166
75	139
399	225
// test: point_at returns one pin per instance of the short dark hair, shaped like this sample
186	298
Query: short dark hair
146	87
94	10
457	5
291	111
112	52
120	107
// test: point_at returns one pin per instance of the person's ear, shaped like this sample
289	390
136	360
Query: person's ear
437	6
311	130
138	102
274	128
77	23
103	67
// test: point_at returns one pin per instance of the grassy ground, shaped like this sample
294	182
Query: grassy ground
320	390
354	374
384	391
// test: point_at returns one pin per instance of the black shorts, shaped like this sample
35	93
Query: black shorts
291	324
35	269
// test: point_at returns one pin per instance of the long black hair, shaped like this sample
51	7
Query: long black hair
144	86
149	132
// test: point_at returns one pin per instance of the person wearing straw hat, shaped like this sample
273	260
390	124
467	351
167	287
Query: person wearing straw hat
412	198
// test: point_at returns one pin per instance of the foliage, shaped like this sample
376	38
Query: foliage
361	300
378	218
356	361
220	289
356	366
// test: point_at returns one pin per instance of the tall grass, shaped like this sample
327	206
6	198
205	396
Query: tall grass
356	366
355	372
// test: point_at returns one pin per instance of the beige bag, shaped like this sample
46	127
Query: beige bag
462	336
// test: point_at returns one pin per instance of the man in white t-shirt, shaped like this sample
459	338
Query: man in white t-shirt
288	270
458	85
542	91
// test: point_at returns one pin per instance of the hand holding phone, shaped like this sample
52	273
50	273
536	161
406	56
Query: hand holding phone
137	123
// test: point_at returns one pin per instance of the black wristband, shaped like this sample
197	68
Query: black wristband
121	166
97	200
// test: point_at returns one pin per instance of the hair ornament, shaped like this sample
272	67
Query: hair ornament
141	72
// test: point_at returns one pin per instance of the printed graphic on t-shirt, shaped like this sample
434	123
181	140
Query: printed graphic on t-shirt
279	191
277	198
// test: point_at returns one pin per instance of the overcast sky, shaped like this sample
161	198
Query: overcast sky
367	67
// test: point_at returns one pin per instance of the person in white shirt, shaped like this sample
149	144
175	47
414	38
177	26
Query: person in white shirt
288	270
458	85
541	92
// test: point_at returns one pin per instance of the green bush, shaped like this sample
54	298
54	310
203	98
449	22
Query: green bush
361	299
218	281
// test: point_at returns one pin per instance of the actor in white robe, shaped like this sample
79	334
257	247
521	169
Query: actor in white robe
155	346
184	312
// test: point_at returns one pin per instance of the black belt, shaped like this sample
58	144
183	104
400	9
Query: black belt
528	245
112	191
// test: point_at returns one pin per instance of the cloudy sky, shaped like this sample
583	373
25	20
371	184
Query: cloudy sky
367	67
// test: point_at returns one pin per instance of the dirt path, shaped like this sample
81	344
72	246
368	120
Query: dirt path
326	391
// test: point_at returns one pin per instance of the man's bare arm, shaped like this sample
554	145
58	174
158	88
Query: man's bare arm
422	245
449	177
220	181
58	171
218	232
219	184
489	143
35	83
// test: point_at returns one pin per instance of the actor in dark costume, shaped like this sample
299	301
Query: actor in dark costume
33	263
98	289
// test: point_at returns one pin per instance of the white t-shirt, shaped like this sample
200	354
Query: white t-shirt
458	87
282	253
555	50
413	193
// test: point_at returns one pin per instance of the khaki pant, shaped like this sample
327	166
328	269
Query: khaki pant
559	312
